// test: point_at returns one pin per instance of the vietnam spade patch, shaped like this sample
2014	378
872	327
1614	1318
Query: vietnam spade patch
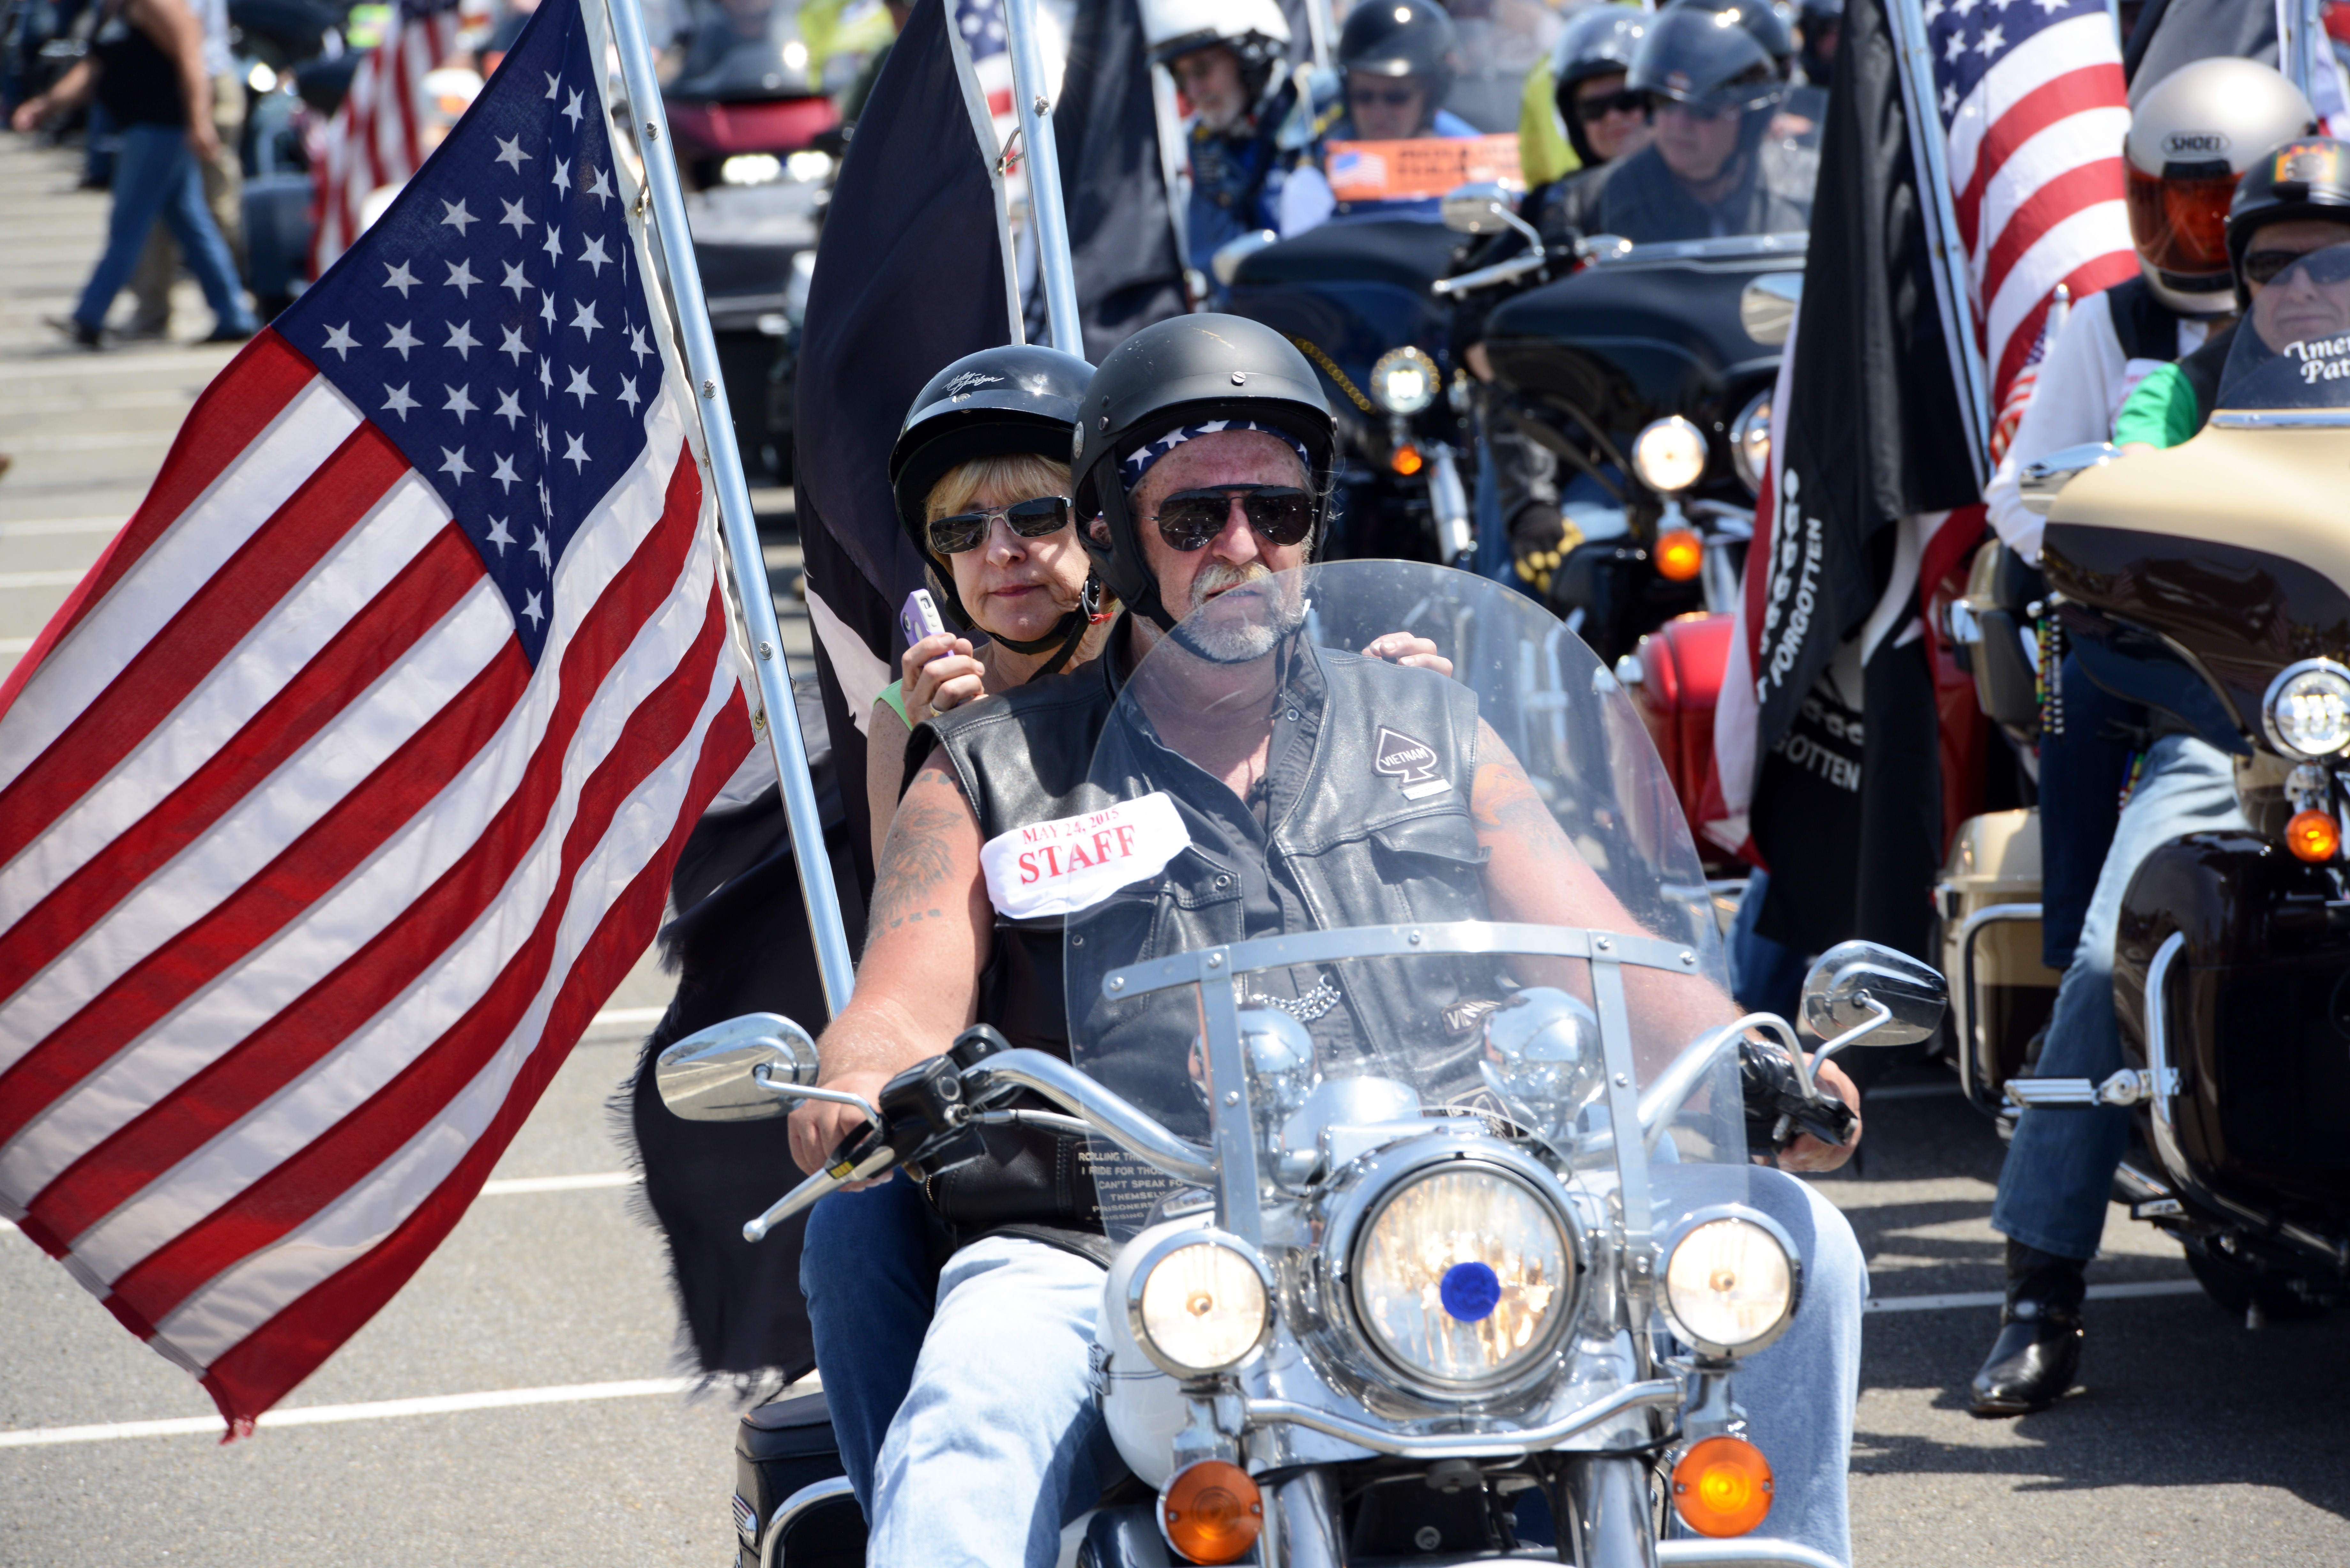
1411	762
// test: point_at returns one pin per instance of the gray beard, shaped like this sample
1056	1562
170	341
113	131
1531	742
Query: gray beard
1240	642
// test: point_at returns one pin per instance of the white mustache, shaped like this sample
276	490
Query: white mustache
1218	576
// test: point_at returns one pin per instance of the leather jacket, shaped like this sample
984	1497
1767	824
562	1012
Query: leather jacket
1369	826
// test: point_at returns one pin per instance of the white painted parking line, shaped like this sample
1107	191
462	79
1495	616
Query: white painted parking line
1995	1298
328	1415
16	645
616	1017
65	578
60	526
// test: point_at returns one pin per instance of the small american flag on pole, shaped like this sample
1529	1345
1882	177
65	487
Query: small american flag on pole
376	137
348	785
2030	100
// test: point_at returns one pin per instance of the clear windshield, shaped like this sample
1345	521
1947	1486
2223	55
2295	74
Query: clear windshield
744	49
2292	348
1259	779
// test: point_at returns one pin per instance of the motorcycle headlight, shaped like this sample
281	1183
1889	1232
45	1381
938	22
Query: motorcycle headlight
1750	442
2307	710
1405	381
1201	1306
1462	1277
1731	1281
1670	456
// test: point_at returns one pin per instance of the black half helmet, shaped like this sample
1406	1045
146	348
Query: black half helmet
1401	38
1186	371
2307	177
1715	55
1599	42
998	402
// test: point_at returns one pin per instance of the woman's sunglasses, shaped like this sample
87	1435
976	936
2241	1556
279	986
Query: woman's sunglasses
2329	265
1279	513
1623	100
1032	519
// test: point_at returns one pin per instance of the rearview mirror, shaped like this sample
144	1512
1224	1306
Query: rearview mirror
735	1071
1478	208
1860	986
1766	307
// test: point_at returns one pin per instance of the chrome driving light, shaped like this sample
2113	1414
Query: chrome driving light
2307	710
1731	1281
1462	1277
1750	442
1200	1302
1670	456
1405	381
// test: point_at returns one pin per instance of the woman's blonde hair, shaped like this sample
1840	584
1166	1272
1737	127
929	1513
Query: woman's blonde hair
1021	474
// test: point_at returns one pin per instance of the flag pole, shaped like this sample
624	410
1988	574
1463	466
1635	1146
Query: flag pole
739	533
1952	284
1055	273
2296	37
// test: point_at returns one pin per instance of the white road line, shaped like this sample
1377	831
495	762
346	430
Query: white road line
61	526
328	1415
522	1186
616	1017
64	578
16	645
1995	1298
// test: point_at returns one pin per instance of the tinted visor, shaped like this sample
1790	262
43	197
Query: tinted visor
2181	226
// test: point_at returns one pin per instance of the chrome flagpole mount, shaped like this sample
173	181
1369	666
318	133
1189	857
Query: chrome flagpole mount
1055	274
650	122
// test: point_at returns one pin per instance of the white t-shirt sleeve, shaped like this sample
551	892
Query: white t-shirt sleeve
2072	405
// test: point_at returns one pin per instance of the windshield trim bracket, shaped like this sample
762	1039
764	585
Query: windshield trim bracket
1231	1130
1638	1258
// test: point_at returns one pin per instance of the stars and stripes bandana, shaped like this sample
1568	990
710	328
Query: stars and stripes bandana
1140	460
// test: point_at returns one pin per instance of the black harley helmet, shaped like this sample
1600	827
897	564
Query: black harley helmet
1401	38
1599	42
998	402
2307	177
1179	372
1715	55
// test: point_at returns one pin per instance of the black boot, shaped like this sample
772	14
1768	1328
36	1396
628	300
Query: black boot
2039	1346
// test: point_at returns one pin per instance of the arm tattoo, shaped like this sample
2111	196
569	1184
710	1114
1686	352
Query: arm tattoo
1506	807
918	859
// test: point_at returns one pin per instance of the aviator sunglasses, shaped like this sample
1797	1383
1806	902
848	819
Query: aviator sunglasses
1031	519
2329	265
1279	513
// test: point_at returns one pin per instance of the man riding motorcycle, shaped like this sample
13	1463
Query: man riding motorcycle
2295	198
1715	75
1249	119
1398	62
1204	447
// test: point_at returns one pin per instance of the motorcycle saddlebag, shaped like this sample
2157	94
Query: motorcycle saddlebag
1987	907
1681	666
779	1447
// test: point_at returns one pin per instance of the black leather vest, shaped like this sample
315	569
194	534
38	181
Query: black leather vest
1368	839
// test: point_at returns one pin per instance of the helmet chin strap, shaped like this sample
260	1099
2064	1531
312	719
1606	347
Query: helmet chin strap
1067	633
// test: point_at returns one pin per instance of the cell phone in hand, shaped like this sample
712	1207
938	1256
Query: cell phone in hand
919	617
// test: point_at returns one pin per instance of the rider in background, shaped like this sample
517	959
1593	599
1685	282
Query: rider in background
1398	62
1249	120
1713	75
2053	1188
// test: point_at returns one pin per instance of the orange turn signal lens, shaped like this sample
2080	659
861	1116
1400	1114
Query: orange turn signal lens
1212	1511
1680	556
1405	460
2313	837
1722	1487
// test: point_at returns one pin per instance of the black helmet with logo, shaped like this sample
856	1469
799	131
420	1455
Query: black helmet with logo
998	402
1181	372
1715	55
1599	42
1401	38
2308	177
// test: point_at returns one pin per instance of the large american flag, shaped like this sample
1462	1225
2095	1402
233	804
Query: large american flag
2032	106
376	137
348	785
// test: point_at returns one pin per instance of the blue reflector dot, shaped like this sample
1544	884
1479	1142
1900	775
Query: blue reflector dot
1470	1291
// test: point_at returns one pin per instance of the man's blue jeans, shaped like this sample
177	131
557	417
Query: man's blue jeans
2060	1168
866	1272
155	176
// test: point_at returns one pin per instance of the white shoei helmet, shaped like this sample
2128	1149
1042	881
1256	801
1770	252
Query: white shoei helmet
2190	137
1255	30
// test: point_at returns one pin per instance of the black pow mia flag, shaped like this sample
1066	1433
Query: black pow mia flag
1873	437
910	277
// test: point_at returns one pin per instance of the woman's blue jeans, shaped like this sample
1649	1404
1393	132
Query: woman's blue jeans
155	176
866	1268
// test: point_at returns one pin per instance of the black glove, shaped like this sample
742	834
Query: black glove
1776	1111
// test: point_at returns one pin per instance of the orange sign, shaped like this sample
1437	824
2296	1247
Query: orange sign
1424	166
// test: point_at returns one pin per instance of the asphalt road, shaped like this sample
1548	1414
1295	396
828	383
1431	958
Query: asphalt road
2194	1441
